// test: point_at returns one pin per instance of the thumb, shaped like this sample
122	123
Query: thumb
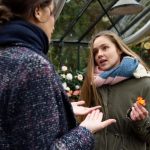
107	123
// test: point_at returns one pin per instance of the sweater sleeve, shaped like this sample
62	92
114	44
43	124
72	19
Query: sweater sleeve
4	144
79	138
36	116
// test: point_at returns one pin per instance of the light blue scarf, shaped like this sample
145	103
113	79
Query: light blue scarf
129	67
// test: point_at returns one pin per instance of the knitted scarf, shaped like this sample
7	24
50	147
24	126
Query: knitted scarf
129	67
22	33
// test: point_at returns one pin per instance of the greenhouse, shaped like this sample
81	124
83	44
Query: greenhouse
80	19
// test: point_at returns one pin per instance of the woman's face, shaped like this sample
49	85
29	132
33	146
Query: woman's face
46	19
107	55
49	25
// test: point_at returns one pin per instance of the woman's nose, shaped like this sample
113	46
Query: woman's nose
100	54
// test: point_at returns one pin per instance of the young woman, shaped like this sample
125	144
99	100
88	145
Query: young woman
35	113
116	78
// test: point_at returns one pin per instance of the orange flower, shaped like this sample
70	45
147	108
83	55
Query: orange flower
141	101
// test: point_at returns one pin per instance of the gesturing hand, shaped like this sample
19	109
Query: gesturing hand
138	112
78	109
94	122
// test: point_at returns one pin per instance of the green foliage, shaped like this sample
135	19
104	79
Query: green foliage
143	53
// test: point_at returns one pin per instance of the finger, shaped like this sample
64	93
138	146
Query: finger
100	117
97	114
89	110
132	116
139	112
80	103
92	114
107	123
142	112
95	107
135	114
145	112
92	108
141	108
88	117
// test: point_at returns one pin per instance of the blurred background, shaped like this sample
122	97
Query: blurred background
78	20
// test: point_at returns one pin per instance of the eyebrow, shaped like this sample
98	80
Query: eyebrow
102	45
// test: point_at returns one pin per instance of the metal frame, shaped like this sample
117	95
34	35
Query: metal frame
61	42
79	41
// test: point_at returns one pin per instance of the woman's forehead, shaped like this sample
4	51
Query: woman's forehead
101	40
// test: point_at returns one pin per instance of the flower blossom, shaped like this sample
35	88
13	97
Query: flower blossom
64	68
141	101
69	76
71	81
77	87
67	88
80	77
63	76
64	85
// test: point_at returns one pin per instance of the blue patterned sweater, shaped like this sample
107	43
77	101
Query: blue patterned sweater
34	110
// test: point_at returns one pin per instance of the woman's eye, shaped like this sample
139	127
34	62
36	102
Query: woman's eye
95	51
105	48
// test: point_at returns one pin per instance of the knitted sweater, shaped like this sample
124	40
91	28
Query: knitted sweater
34	110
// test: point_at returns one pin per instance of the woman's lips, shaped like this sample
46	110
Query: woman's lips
102	61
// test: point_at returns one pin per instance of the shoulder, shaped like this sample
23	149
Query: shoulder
133	84
142	84
138	81
144	81
23	63
23	57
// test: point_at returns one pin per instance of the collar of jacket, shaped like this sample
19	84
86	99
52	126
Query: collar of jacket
22	33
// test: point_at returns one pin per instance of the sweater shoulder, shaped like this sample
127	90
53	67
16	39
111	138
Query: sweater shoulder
20	64
22	57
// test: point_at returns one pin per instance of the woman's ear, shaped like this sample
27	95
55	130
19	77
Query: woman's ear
38	14
42	14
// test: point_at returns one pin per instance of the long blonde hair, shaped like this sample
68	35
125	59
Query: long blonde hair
89	92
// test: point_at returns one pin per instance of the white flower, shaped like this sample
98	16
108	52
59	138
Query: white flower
64	68
80	77
63	76
69	76
67	88
77	87
64	85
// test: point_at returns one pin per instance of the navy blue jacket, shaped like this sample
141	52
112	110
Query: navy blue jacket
35	113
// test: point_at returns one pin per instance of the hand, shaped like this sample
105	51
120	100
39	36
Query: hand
81	110
138	112
94	122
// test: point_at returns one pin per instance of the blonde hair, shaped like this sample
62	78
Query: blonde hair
89	92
